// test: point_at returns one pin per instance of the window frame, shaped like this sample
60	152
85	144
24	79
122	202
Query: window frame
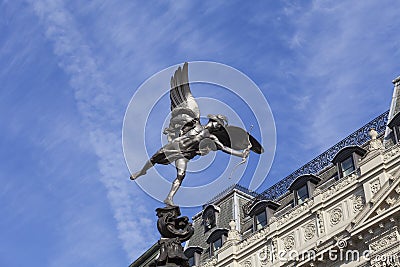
258	225
191	261
396	132
193	253
298	198
218	235
353	166
212	246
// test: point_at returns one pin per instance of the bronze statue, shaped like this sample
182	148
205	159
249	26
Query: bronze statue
188	138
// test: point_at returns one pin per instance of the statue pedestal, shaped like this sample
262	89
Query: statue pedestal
174	230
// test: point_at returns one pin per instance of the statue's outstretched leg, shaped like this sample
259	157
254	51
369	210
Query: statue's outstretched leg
143	171
180	165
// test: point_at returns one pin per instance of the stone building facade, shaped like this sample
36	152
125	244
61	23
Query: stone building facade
340	209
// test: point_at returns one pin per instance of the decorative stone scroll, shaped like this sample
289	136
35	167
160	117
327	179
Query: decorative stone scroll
174	230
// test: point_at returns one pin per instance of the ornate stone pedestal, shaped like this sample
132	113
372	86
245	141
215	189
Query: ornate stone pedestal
174	230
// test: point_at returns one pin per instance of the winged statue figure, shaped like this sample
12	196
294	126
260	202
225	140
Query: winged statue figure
188	138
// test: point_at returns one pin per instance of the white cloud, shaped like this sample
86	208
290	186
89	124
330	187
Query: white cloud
335	45
100	115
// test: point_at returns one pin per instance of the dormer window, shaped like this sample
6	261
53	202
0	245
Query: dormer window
193	254
303	188
261	211
209	217
216	240
346	160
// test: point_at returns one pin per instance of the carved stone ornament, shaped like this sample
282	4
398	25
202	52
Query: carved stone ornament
233	234
391	260
288	243
320	220
384	242
309	231
246	263
375	185
174	230
211	262
338	186
391	201
374	144
394	151
358	203
255	237
265	256
336	216
295	212
274	247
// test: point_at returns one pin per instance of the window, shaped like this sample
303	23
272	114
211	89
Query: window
193	254
347	166
261	220
303	188
191	261
394	125
302	194
346	160
209	218
216	240
217	244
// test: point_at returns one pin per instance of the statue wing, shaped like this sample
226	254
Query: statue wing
184	108
238	139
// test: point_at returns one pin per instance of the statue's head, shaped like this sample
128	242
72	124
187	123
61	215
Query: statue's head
216	121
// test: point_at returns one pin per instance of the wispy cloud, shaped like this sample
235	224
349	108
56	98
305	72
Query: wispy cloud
101	116
335	45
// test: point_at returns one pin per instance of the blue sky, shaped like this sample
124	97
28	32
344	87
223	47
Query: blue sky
68	71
